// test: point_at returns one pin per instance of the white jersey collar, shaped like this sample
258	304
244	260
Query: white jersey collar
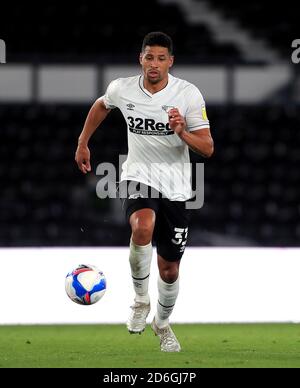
141	85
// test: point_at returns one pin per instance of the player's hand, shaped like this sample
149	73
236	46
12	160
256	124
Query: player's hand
82	158
177	121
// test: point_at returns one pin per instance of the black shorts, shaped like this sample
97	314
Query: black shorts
171	224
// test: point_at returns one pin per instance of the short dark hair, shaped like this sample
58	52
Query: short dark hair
158	39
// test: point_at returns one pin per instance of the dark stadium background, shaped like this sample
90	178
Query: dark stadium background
252	185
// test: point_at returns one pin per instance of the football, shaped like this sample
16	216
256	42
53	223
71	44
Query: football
85	285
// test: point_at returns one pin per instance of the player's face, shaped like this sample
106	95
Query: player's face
156	62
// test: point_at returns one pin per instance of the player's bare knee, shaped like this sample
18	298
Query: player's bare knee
169	275
142	233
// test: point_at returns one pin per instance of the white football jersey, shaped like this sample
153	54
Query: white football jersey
157	156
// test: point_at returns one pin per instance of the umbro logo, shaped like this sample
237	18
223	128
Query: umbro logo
130	107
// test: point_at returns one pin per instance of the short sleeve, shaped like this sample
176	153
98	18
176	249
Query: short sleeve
196	116
111	96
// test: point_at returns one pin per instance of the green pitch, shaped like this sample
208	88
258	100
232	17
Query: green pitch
110	346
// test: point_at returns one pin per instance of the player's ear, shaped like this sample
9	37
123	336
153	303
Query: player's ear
171	61
141	58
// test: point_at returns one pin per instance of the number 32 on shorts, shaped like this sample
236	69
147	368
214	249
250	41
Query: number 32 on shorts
180	237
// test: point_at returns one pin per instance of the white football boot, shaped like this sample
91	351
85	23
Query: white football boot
137	320
168	340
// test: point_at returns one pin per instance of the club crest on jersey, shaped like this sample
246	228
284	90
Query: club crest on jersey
130	107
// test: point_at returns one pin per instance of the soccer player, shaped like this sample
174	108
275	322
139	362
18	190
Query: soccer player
165	117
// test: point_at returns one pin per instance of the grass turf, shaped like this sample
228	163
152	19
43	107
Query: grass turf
110	346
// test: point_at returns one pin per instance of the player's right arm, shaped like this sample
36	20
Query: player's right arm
96	115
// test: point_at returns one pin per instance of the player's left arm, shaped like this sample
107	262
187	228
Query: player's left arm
200	141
